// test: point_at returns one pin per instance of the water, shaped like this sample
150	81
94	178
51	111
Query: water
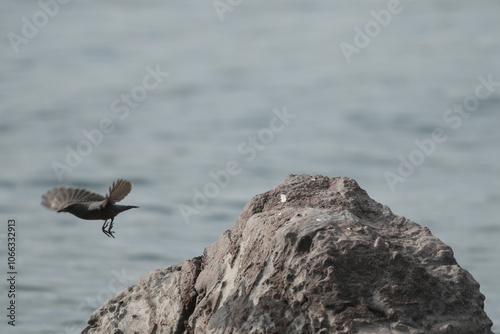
226	81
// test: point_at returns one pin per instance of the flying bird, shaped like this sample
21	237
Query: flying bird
88	205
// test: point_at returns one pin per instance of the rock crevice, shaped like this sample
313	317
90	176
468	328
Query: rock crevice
312	255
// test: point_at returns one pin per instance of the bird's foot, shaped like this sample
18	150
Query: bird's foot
109	233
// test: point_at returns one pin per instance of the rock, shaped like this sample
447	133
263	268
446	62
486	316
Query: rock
312	255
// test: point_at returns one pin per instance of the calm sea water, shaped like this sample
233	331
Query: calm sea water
254	91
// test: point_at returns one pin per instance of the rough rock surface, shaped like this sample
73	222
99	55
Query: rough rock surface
327	259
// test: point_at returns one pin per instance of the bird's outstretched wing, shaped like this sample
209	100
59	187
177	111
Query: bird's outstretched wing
58	198
118	191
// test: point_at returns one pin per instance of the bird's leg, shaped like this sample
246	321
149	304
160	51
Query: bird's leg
110	227
108	232
104	226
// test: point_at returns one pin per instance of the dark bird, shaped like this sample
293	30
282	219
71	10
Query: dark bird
87	205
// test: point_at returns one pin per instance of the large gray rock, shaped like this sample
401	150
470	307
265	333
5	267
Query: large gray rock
312	255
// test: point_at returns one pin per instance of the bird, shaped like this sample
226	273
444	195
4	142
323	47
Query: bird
88	205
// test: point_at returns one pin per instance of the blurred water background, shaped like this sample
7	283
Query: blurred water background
67	69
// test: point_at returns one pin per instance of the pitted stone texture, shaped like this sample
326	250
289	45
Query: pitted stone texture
327	260
160	303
